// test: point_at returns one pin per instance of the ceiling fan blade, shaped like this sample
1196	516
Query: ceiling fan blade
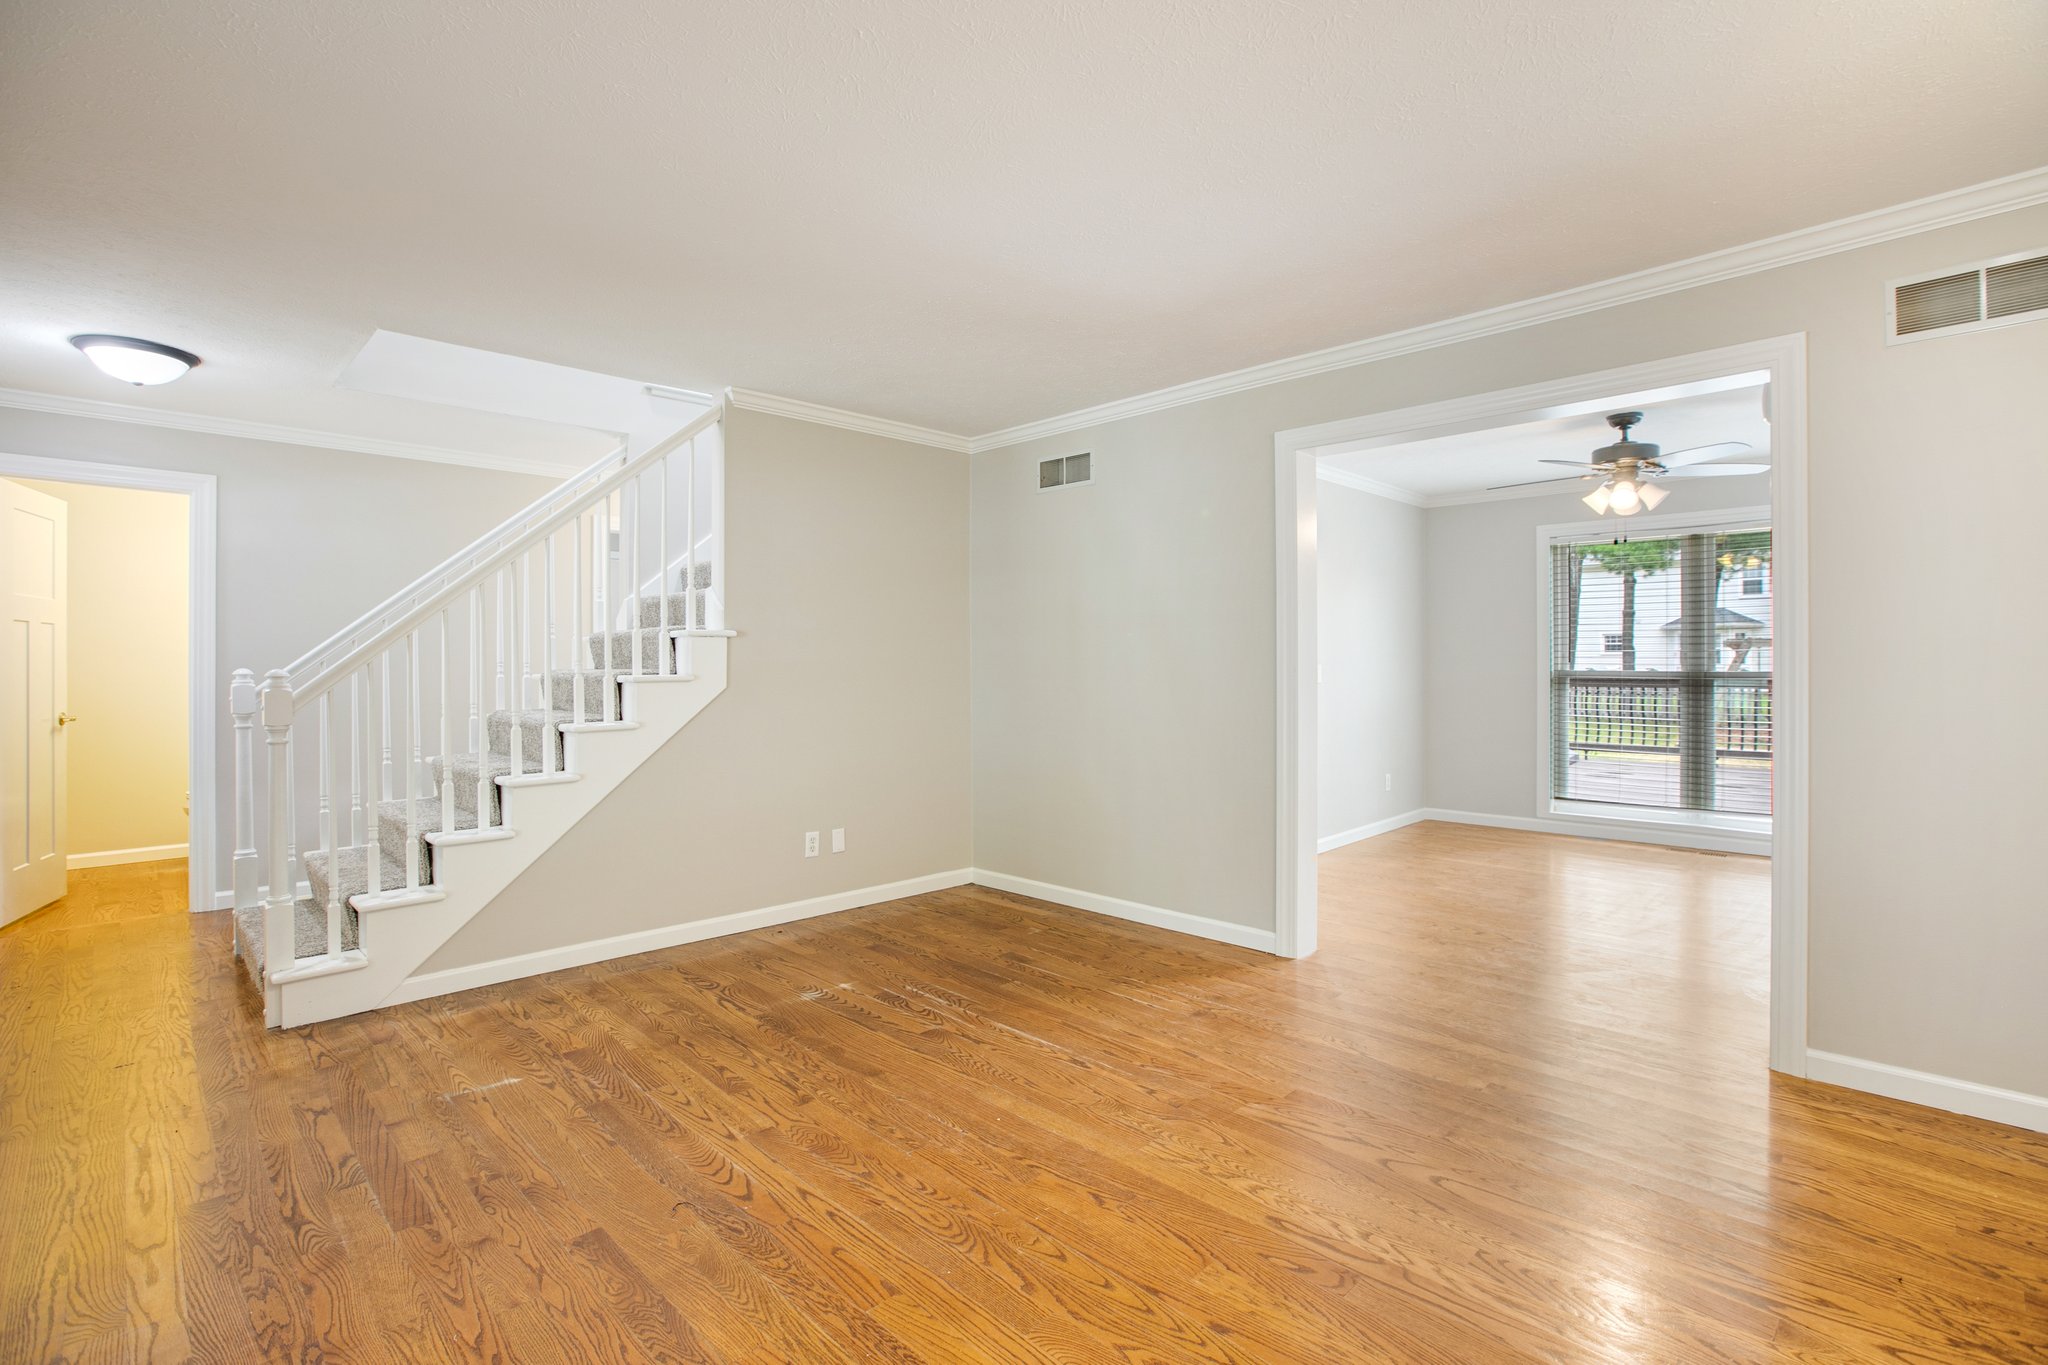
1695	454
1716	471
1574	464
1534	482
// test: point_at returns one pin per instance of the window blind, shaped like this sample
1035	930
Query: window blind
1660	671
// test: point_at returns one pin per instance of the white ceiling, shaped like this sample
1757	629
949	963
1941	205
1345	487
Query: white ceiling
1449	467
962	216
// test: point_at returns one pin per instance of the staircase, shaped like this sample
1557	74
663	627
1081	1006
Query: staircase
421	759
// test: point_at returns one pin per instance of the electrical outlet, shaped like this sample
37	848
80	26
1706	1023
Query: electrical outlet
811	844
839	841
1390	781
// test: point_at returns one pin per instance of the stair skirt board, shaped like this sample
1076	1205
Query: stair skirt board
450	980
467	873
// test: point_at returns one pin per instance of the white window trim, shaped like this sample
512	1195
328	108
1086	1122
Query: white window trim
1726	832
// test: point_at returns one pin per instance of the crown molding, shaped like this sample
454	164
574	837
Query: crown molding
2024	190
777	406
1345	478
264	431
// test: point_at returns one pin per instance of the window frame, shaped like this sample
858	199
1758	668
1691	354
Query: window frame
1733	832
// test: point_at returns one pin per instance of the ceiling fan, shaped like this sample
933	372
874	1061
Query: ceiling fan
1630	471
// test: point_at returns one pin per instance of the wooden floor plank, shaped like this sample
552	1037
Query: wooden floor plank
1515	1109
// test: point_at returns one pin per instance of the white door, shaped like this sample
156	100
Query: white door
33	536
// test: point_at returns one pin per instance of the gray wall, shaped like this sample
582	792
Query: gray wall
1369	612
846	707
1480	584
1123	667
309	538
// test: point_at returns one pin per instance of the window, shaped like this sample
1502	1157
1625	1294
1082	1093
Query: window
1672	710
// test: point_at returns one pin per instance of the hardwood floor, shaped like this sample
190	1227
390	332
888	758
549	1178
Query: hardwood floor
1515	1110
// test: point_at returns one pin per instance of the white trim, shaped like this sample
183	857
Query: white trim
2004	195
1345	478
267	431
225	900
1377	827
202	494
2015	1107
115	857
1295	689
1670	835
451	979
1178	921
777	406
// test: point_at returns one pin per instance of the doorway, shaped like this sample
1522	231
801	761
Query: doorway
109	690
1523	592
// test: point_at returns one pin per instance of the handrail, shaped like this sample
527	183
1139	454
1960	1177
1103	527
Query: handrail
393	631
539	506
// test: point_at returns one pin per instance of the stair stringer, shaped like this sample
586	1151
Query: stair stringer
470	874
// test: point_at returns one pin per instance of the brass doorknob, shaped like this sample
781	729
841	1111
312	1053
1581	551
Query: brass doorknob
64	718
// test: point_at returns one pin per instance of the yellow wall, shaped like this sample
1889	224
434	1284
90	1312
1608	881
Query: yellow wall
129	678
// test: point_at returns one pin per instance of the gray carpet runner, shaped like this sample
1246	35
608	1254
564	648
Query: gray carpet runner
536	728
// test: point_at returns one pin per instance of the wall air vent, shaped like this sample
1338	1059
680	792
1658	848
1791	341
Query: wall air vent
1988	294
1065	471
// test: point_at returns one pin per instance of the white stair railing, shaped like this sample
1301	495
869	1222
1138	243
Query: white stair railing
522	646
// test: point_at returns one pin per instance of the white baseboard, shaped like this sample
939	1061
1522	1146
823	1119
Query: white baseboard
113	857
1387	826
1627	831
1200	926
225	900
451	979
2015	1107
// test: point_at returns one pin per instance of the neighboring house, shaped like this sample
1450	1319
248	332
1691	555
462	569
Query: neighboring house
1742	621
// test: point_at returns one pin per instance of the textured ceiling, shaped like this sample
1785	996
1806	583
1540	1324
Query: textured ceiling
964	216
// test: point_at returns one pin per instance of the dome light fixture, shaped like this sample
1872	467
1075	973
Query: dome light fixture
133	360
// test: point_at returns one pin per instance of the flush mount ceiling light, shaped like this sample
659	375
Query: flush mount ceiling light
1628	470
133	360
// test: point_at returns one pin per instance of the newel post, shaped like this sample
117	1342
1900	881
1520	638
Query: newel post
248	863
280	928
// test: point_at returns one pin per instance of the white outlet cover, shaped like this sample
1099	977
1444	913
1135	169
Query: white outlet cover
811	844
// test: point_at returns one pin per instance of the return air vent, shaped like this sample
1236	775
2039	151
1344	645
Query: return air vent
1989	294
1065	471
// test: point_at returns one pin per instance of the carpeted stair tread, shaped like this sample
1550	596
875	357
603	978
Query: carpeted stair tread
352	867
426	814
309	933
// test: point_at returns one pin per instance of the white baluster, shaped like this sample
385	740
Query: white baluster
547	655
356	804
242	704
384	787
377	697
447	788
498	652
327	839
477	742
604	614
579	608
687	662
661	570
411	847
520	632
633	567
280	929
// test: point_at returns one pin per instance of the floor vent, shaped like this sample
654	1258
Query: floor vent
1988	294
1065	471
